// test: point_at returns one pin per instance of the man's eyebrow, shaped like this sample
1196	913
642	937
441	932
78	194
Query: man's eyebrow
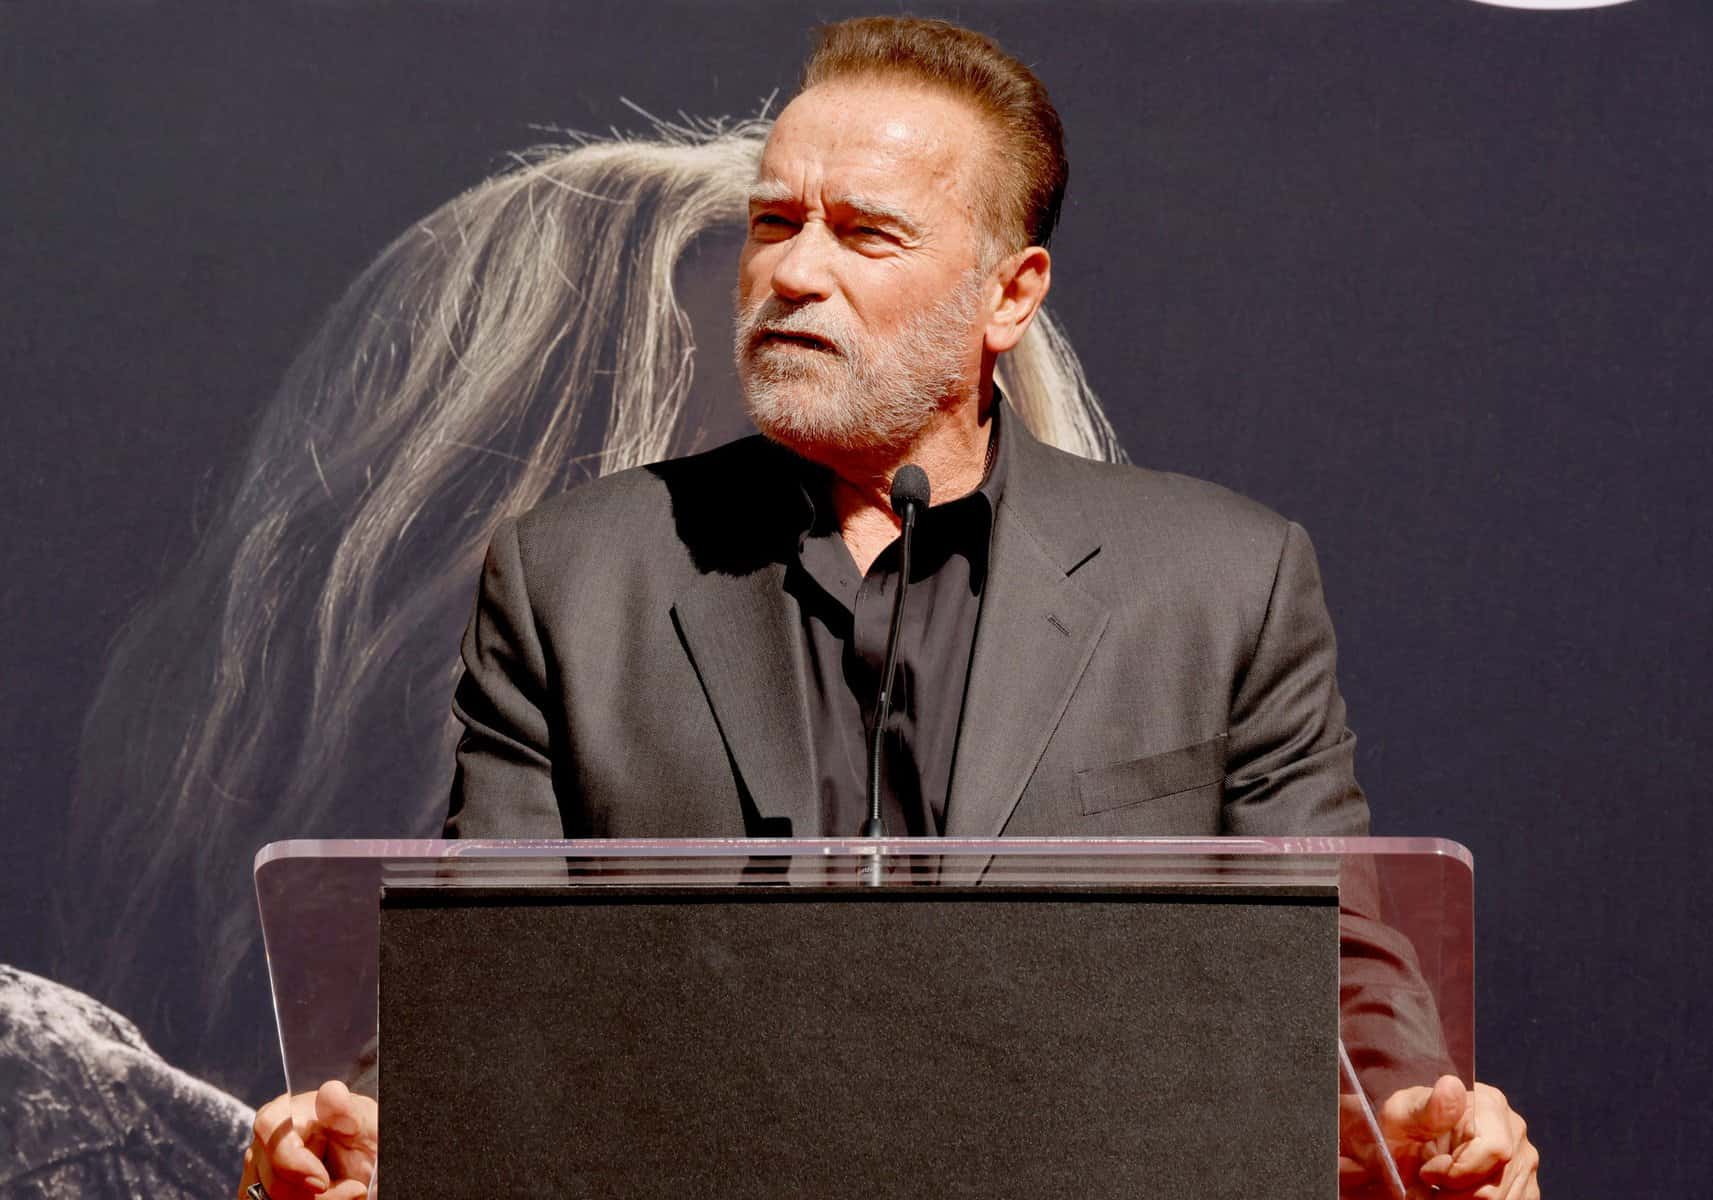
770	192
879	210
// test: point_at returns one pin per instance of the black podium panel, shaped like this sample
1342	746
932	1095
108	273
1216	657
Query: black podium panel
885	1042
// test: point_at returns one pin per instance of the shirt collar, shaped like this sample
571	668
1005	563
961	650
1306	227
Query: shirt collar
815	517
998	456
962	526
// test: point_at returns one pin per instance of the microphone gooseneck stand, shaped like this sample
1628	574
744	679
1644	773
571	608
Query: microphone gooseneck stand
909	496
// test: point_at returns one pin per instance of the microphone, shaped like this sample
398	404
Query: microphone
909	486
909	499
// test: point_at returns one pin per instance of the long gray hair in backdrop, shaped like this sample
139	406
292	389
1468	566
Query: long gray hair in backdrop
294	678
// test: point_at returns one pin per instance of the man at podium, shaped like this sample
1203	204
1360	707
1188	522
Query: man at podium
701	647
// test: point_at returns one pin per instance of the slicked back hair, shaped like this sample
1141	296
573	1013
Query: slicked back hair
1022	187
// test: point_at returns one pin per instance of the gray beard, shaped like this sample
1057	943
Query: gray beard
871	394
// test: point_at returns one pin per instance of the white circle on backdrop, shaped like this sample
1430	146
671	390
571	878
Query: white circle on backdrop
1552	5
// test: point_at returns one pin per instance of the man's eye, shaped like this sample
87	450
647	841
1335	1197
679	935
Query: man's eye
772	219
871	238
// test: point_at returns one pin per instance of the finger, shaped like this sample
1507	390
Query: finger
285	1160
1507	1181
1505	1189
1524	1168
277	1157
1422	1112
1445	1106
287	1185
1478	1159
346	1189
1433	1171
352	1124
1355	1136
1521	1180
1403	1104
249	1176
351	1163
269	1117
1489	1141
334	1110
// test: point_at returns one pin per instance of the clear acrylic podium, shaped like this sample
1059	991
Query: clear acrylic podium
1216	1017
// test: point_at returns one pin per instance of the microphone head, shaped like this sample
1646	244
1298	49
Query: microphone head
909	486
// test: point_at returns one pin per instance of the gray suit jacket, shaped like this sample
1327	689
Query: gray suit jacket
1153	657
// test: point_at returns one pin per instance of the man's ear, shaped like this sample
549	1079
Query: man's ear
1023	280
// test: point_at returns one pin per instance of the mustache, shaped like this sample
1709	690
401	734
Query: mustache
774	317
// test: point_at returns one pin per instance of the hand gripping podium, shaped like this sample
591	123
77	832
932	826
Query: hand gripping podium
913	1017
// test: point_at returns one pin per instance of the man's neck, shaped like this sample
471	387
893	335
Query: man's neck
953	452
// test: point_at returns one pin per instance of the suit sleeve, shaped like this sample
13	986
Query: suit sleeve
1291	772
1290	759
503	783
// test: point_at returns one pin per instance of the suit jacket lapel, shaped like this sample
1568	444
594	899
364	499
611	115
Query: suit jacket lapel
738	631
1037	631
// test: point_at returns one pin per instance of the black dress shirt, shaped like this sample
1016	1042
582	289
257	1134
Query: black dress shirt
845	618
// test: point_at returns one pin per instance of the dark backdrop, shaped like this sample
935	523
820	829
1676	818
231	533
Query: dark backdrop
1427	276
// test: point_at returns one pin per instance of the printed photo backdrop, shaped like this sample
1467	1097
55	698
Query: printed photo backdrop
1427	276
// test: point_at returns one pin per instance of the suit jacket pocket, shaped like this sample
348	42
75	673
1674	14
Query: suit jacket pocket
1140	780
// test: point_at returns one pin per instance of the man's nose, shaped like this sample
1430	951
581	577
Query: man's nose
803	270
